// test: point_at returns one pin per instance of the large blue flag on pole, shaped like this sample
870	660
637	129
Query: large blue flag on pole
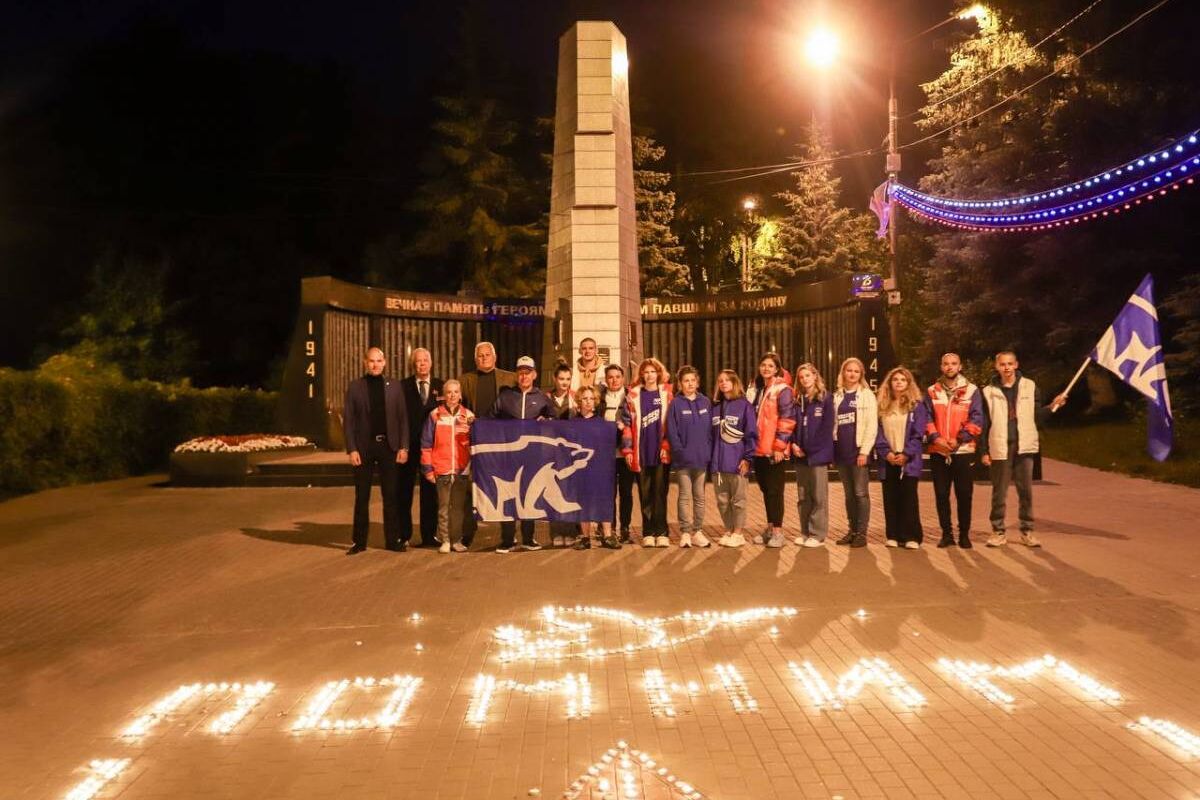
1132	349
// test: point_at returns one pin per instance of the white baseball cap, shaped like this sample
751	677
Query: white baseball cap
526	362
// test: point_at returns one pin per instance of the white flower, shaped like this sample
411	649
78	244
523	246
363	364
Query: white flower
241	444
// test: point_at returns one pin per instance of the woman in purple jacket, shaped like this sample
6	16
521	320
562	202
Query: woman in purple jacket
690	430
735	435
812	453
898	446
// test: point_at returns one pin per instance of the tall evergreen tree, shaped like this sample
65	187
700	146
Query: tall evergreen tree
704	231
470	203
819	238
1049	296
659	250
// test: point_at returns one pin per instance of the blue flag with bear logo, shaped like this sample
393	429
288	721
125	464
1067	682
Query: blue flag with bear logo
1131	348
556	470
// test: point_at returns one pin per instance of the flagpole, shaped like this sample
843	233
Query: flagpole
1075	380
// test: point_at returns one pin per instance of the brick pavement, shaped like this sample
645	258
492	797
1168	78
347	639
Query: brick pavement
116	594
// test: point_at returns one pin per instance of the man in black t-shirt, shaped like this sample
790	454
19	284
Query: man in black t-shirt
375	426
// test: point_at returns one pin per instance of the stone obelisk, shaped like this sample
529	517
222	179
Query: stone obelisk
592	269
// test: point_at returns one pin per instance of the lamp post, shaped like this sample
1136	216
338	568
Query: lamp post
977	12
821	49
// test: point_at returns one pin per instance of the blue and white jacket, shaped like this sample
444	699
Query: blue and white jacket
735	435
914	437
815	421
690	431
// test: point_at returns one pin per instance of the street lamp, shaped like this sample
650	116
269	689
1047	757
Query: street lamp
977	12
821	48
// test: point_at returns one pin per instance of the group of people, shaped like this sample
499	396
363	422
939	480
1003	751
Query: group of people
668	431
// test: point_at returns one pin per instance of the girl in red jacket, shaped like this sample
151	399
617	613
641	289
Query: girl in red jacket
772	398
446	461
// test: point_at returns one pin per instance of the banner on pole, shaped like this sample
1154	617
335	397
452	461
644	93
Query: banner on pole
1131	349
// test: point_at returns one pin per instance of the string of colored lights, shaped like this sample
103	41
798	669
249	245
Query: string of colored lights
1110	192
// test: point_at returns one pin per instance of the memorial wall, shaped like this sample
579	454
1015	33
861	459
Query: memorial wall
819	322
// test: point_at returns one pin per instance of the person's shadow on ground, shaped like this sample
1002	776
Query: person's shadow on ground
315	534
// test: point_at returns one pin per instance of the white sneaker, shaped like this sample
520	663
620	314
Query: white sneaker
700	540
997	539
776	540
458	547
758	539
735	540
685	540
724	540
663	541
445	548
558	541
1029	540
892	543
570	541
648	541
813	541
912	545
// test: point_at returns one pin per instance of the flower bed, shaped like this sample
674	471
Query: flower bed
230	460
247	443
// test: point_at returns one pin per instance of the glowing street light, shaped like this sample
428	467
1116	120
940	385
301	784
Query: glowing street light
976	12
749	204
821	48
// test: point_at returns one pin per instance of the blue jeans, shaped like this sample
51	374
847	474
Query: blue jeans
856	482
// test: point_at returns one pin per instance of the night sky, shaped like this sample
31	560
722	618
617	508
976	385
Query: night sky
217	120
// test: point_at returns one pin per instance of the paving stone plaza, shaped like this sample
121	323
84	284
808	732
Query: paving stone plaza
168	643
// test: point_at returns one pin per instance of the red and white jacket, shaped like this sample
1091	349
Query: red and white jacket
631	438
955	415
776	422
446	442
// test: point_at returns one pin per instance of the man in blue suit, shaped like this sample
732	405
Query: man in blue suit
377	436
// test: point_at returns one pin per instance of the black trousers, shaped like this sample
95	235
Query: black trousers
379	456
508	533
409	477
956	474
901	510
470	524
771	479
623	506
652	493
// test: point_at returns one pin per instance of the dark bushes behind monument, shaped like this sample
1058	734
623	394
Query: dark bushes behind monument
70	423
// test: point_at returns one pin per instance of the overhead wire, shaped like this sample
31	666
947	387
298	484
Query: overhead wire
764	170
1003	67
1067	63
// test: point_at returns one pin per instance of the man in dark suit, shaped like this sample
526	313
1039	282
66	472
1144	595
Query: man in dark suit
422	393
480	388
377	436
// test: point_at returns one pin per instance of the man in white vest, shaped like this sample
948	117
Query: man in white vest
1013	411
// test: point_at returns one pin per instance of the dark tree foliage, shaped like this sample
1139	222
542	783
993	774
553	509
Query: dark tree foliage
659	251
219	169
127	324
474	203
1049	296
1183	365
818	236
704	232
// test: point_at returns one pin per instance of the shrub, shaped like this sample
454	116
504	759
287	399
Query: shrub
69	422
